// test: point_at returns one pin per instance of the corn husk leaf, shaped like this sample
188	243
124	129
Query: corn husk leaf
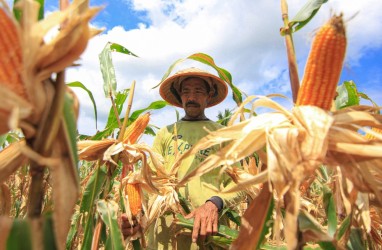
108	211
297	142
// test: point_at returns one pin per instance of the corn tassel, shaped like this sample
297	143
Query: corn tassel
324	65
11	55
135	130
133	192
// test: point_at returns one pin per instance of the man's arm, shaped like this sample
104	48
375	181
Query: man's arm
206	218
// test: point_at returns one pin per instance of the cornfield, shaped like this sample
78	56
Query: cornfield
312	175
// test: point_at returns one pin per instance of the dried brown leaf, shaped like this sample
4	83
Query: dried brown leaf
253	221
11	158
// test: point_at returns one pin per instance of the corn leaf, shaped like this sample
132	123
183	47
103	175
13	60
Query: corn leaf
330	210
223	74
92	192
112	120
17	13
49	238
153	106
347	95
355	241
115	47
345	226
93	189
107	67
306	13
108	72
73	230
80	85
108	211
311	228
366	97
20	235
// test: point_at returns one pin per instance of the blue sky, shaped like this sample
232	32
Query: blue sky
242	36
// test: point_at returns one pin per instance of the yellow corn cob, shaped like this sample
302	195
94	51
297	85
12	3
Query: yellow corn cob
11	55
372	137
133	192
324	65
136	129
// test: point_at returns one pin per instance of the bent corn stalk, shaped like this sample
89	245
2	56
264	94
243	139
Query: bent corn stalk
324	65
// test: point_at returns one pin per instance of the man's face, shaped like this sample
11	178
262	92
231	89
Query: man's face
195	97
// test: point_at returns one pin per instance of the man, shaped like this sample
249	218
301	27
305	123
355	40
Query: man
193	90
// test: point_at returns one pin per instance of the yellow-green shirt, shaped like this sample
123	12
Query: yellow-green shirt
167	143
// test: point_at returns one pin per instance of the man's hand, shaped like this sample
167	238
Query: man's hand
205	221
128	229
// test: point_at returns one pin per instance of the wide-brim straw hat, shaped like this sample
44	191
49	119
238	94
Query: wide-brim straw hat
170	88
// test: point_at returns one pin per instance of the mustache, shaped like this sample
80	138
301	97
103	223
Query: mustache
192	103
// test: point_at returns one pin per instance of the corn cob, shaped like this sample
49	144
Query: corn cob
11	55
324	65
136	129
372	137
133	192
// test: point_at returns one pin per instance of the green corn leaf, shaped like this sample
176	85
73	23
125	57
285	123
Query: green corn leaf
344	227
306	13
223	74
49	238
108	72
73	230
20	235
108	211
325	245
93	189
80	85
70	125
232	215
152	106
347	95
366	97
119	48
112	120
107	67
355	241
307	224
149	130
330	210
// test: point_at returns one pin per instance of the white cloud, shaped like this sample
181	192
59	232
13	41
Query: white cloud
242	36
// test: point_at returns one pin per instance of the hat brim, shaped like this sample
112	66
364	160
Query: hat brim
166	89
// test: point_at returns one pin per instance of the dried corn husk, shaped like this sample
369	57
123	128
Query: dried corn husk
297	142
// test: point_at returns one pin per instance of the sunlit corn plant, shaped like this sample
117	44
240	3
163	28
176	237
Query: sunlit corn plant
108	159
39	169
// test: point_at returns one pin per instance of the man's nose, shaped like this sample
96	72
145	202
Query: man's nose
191	96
